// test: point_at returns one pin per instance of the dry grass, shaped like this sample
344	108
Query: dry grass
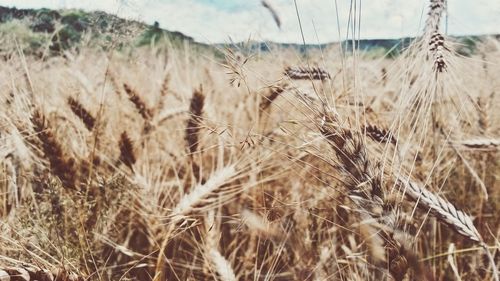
257	174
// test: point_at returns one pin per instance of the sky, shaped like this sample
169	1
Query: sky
223	21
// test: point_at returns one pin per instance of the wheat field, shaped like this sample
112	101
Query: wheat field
172	164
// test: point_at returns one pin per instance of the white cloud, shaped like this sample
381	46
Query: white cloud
207	23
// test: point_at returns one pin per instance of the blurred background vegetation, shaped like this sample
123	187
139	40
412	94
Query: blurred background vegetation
44	32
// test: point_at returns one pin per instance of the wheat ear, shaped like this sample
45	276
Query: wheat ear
481	143
217	260
60	166
127	155
274	93
82	113
300	73
447	213
444	210
222	265
364	187
266	4
200	193
193	124
140	105
189	203
380	135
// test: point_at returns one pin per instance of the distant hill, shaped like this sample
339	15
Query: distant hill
64	29
40	31
466	45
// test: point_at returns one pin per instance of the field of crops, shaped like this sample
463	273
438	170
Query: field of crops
173	164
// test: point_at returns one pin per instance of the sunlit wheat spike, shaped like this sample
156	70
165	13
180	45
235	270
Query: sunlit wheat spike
300	73
259	224
202	191
444	210
221	265
481	143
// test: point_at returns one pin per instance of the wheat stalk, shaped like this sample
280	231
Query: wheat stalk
114	82
167	115
259	224
219	262
193	129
